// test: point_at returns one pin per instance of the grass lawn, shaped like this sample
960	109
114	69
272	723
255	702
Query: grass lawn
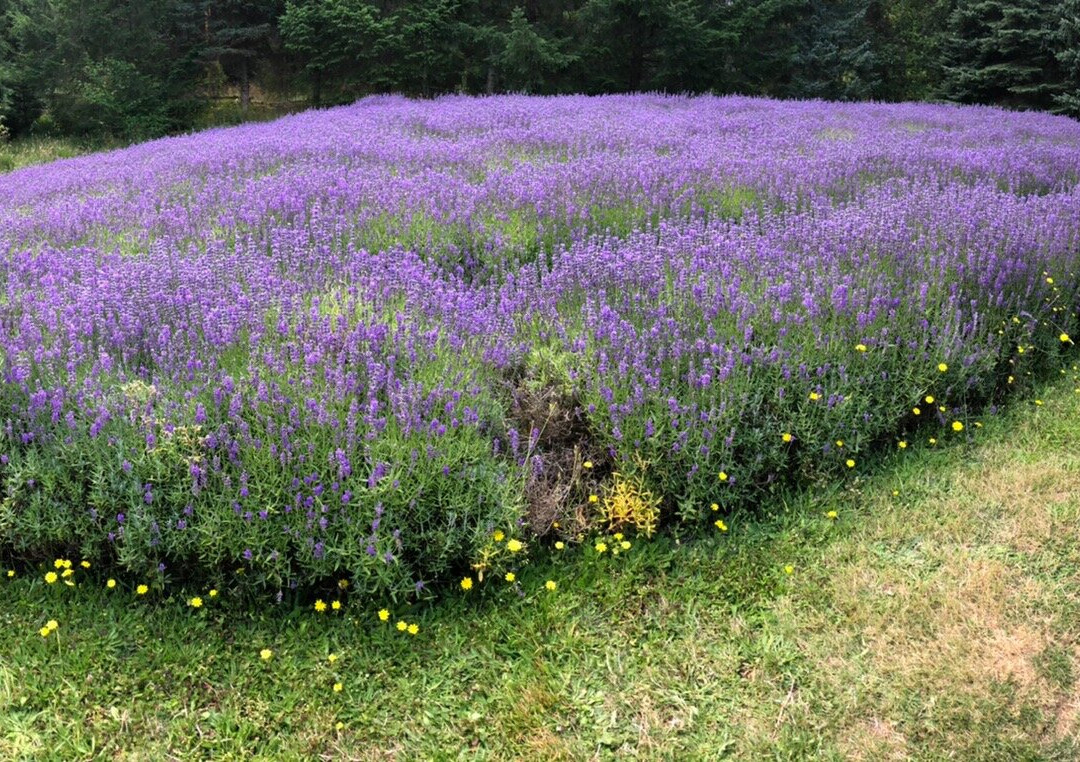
937	616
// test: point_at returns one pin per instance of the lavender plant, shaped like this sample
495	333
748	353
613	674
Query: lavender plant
357	342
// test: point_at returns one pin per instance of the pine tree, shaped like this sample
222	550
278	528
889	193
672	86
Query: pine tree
238	33
1068	55
1003	52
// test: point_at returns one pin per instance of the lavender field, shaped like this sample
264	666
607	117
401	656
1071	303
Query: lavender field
367	342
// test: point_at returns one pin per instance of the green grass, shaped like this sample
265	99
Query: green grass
938	616
26	151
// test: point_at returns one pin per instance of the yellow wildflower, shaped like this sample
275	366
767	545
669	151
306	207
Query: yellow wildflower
142	590
594	499
212	593
466	584
860	347
414	628
111	583
336	605
384	615
902	444
550	584
402	626
786	436
789	569
559	545
44	632
587	464
625	544
338	687
957	426
720	525
51	577
320	605
510	577
265	654
514	546
942	367
601	547
498	535
849	463
831	514
195	602
722	476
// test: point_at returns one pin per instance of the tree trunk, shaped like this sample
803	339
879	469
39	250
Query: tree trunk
245	89
490	80
316	89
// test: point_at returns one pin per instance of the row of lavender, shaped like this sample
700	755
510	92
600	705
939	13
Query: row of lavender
300	349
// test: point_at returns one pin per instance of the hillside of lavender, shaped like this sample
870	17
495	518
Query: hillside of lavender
361	343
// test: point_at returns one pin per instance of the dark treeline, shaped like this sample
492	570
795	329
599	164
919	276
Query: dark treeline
138	68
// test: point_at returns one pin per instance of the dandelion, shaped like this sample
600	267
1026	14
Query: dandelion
498	535
831	515
142	590
849	463
265	654
1065	339
466	584
510	576
933	441
587	464
338	687
594	499
402	626
902	444
414	628
110	583
786	437
896	493
942	367
52	624
1050	281
11	573
1011	379
929	399
339	726
320	605
84	564
719	524
625	545
814	396
722	476
384	615
50	577
957	426
789	569
1039	402
916	411
1019	350
212	593
601	547
550	584
66	573
44	632
860	347
195	602
332	658
618	535
343	584
559	545
58	563
336	605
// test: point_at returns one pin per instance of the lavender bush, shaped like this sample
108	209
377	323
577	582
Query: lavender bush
357	342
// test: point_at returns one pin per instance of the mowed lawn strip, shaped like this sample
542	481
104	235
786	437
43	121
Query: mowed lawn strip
937	615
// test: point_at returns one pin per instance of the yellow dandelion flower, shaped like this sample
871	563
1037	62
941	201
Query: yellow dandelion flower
195	602
111	583
51	577
320	605
916	411
594	499
212	593
929	399
466	584
957	426
514	546
402	626
786	437
332	658
902	444
10	573
719	524
625	545
414	628
831	514
601	547
550	584
839	442
942	367
338	687
142	590
1065	338
814	396
933	441
498	535
384	615
339	726
849	463
67	573
84	564
58	563
559	545
510	576
860	347
1038	402
1050	281
265	654
44	632
336	605
789	569
52	624
722	476
587	464
1019	350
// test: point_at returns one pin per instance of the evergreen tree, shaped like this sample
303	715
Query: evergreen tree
238	34
1003	52
1067	45
528	59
